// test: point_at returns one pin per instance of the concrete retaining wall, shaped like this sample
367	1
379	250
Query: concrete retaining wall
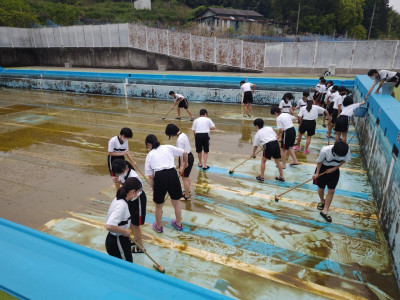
379	142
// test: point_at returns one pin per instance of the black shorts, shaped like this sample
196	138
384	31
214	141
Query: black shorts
288	138
335	113
119	246
308	126
272	149
329	179
188	169
394	78
110	160
166	181
202	142
183	104
248	97
137	208
342	124
330	107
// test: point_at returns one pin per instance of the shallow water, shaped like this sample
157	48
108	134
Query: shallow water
236	239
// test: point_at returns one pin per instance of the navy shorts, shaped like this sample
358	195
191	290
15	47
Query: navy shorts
166	181
202	142
308	126
342	124
330	179
288	138
248	97
272	149
183	104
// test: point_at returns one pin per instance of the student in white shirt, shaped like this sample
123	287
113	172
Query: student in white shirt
287	134
381	77
267	139
182	103
118	147
119	220
122	171
182	142
201	129
325	102
317	88
160	167
342	123
330	159
332	106
321	91
286	104
307	117
303	101
247	90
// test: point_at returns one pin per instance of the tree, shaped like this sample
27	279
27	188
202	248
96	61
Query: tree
16	13
350	15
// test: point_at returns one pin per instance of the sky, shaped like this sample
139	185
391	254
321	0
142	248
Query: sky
395	4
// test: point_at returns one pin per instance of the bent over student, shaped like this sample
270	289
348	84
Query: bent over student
119	220
330	159
160	167
342	123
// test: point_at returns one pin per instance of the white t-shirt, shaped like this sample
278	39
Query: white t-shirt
285	121
337	99
161	158
178	96
301	103
131	173
118	213
322	89
202	125
246	87
349	109
327	158
312	114
263	136
384	74
114	145
182	142
285	107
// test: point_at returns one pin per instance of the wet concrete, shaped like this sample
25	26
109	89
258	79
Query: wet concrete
236	239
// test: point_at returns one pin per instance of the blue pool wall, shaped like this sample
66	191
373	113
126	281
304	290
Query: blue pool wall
223	89
379	137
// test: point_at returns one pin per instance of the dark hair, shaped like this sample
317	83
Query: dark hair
152	139
131	183
126	132
322	77
372	72
242	82
323	80
348	101
171	130
119	165
259	122
171	93
287	95
330	81
309	105
340	148
203	112
275	109
335	88
306	93
343	89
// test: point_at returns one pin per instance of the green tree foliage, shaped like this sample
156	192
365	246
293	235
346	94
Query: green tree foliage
394	25
58	12
16	13
381	14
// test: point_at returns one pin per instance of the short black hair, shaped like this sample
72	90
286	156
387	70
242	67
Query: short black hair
288	95
275	109
152	139
343	89
335	88
348	101
203	112
126	132
306	93
372	72
259	122
330	81
171	130
242	82
322	77
323	81
171	93
340	148
118	166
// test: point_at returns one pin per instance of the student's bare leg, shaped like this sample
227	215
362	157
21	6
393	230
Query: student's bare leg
308	141
299	135
249	109
186	185
321	193
293	155
283	155
137	233
279	165
344	137
205	157
262	166
179	112
190	114
200	157
245	109
158	214
337	137
328	200
178	211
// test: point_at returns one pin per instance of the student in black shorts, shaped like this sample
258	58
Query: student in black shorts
201	129
330	159
119	220
333	98
247	90
342	122
182	103
160	167
182	142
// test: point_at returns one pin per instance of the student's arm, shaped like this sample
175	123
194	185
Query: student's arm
254	88
339	108
254	151
212	125
333	169
380	85
369	91
151	180
130	158
315	176
280	134
185	159
182	168
117	229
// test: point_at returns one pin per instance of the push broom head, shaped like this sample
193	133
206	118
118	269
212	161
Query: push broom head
230	171
163	118
159	268
276	197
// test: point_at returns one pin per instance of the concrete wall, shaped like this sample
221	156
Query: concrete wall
379	135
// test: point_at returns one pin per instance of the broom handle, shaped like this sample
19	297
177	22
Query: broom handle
168	112
247	159
137	168
295	187
144	250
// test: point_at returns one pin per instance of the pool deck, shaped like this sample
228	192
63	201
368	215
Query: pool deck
236	241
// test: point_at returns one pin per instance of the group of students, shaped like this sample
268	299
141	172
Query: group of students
128	209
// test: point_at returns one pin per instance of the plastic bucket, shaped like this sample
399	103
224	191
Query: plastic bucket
360	111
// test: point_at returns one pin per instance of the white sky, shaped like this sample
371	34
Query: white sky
395	4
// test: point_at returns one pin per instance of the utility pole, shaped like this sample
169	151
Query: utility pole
298	17
372	19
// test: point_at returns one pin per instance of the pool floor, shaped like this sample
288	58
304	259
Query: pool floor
236	240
